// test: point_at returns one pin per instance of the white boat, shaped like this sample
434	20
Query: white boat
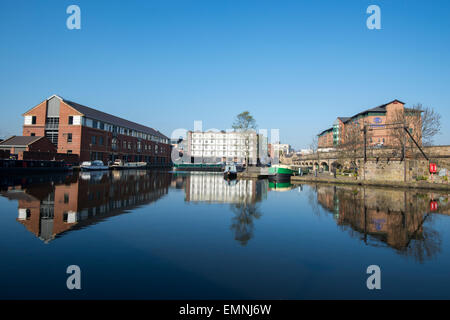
120	165
93	165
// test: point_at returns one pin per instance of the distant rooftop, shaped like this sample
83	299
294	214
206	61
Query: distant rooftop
19	141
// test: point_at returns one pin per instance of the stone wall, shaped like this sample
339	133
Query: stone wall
382	170
394	170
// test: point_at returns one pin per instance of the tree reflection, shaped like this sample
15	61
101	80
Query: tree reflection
242	222
426	246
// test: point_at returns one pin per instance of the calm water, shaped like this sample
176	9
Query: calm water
161	235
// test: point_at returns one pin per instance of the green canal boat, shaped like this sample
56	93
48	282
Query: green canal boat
280	173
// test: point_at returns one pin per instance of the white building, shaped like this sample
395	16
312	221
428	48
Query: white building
212	147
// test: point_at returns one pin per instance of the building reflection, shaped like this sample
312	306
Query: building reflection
399	219
243	196
50	209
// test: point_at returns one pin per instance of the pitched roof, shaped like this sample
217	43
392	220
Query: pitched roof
329	129
380	108
22	141
106	117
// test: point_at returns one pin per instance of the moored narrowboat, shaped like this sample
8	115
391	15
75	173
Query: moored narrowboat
280	173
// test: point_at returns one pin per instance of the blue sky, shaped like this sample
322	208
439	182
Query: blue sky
295	65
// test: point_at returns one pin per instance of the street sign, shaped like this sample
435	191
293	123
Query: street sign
433	168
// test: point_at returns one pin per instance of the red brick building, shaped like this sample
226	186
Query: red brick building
93	134
378	121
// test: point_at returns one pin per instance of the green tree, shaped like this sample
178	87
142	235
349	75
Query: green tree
244	121
245	124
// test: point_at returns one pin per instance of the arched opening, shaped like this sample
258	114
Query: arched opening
336	165
324	166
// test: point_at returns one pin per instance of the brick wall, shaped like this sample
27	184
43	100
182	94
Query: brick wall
64	145
40	111
42	145
29	155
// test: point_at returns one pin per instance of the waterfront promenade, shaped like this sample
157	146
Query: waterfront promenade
327	178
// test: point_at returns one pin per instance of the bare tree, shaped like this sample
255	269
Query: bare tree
423	124
351	143
430	123
314	146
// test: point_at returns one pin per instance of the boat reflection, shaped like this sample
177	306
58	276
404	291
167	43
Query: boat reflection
399	219
280	186
50	209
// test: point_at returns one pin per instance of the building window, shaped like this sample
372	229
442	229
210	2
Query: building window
114	143
100	141
124	144
70	120
129	145
69	151
52	123
32	134
66	198
93	139
69	137
94	124
52	136
33	120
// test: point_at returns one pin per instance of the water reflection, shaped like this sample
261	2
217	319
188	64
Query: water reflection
213	188
49	209
244	197
399	219
280	186
402	220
